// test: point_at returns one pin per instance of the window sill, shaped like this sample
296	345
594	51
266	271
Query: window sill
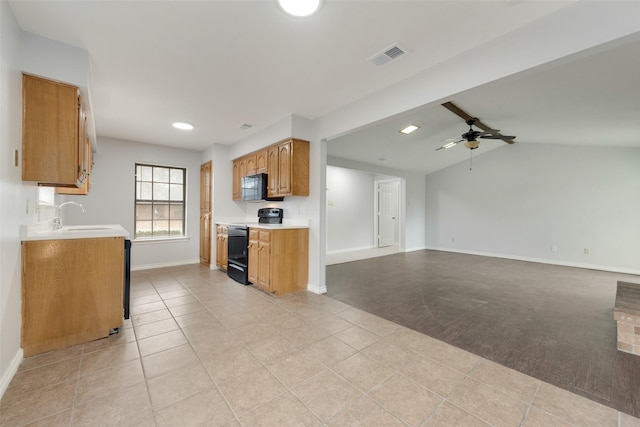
151	240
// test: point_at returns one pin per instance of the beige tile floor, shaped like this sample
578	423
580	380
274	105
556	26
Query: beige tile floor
202	350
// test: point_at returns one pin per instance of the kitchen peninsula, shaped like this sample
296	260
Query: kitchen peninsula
72	285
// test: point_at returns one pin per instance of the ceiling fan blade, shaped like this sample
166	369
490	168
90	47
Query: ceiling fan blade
457	111
490	132
498	136
450	143
466	116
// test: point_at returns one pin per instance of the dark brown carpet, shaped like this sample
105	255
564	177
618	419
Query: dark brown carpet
553	323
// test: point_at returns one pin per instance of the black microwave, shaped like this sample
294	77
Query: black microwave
255	188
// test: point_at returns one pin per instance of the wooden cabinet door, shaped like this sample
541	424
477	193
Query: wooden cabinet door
250	165
261	161
205	239
272	165
51	139
218	246
222	248
239	170
225	250
284	168
205	214
205	187
84	189
236	181
264	259
253	256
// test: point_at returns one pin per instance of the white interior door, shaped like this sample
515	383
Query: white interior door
387	213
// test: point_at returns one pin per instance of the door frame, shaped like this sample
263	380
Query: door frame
399	216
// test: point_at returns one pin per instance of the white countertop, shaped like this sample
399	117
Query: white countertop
40	232
275	226
287	223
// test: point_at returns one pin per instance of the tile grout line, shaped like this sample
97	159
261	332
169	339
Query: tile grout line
144	374
215	383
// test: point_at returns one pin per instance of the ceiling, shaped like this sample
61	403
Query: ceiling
593	100
221	64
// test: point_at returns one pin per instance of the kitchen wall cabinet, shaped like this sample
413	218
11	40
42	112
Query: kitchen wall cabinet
222	246
287	166
72	291
54	133
279	259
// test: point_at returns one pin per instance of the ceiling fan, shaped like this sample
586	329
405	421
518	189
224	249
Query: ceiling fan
471	136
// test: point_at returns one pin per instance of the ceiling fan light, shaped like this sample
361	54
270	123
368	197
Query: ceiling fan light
411	128
299	7
472	145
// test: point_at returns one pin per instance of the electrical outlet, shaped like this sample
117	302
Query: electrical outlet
453	239
554	248
587	251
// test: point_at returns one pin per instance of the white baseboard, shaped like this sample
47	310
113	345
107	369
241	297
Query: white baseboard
608	268
7	376
317	289
165	264
356	254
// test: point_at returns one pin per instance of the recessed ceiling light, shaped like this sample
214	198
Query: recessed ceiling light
409	129
183	126
299	7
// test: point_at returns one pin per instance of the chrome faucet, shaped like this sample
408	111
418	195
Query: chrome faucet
57	222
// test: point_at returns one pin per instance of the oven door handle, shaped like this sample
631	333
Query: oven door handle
236	267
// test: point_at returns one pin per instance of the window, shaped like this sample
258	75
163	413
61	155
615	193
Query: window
160	196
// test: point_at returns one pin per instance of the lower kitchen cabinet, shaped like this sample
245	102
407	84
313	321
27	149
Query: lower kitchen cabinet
222	246
72	291
279	259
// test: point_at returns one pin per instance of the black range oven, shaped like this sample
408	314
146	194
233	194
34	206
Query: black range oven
238	246
237	267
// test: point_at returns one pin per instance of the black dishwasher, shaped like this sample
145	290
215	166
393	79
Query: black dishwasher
127	276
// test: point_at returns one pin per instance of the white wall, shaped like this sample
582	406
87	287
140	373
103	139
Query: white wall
412	200
350	209
222	184
111	199
520	201
14	196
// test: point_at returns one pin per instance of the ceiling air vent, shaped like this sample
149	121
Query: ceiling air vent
389	54
246	126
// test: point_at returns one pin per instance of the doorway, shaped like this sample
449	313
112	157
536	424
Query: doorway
205	214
